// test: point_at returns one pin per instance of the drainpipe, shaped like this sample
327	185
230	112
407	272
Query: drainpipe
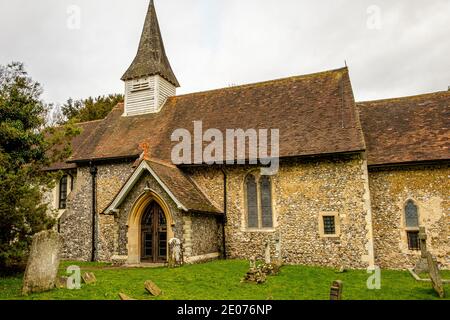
224	221
93	171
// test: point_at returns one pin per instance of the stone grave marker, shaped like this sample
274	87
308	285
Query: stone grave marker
175	253
152	288
89	278
43	262
124	297
435	276
422	264
267	258
336	290
278	247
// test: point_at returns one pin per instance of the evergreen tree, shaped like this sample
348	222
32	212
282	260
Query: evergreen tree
26	148
91	108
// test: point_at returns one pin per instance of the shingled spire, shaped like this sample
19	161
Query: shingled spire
149	81
151	57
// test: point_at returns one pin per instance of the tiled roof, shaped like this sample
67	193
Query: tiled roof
77	142
183	188
315	115
179	187
410	129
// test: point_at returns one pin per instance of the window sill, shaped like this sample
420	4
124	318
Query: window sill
330	236
268	230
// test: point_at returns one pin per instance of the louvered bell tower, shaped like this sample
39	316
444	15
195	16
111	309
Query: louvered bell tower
149	80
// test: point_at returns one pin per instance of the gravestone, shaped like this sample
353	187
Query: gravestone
336	290
152	288
124	297
422	263
278	255
43	262
175	253
89	278
267	258
435	276
278	246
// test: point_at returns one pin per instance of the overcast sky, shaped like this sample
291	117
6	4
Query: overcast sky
392	47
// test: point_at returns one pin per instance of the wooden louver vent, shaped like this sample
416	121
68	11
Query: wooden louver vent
140	86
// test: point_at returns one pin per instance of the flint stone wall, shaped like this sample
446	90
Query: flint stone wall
301	191
206	234
428	187
76	222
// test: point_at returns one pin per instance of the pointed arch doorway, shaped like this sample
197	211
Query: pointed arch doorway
139	220
153	234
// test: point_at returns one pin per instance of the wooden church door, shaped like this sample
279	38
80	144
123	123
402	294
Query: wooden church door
154	234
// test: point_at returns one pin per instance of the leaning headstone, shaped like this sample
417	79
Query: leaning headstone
152	288
175	253
124	297
89	278
435	276
422	264
267	258
43	262
336	290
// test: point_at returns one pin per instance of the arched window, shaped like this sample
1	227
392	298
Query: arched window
252	202
412	225
265	188
259	201
411	215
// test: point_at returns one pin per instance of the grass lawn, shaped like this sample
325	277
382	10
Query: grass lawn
220	280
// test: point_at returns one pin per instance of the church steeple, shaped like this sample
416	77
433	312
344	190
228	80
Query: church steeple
149	80
151	56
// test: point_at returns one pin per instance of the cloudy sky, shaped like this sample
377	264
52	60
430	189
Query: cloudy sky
81	48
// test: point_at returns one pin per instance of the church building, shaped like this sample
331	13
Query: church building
355	180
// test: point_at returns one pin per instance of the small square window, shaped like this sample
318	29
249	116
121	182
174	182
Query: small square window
413	240
329	225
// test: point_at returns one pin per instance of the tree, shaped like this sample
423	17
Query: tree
71	109
26	147
91	108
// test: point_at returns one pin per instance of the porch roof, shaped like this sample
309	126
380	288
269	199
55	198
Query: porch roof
181	189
